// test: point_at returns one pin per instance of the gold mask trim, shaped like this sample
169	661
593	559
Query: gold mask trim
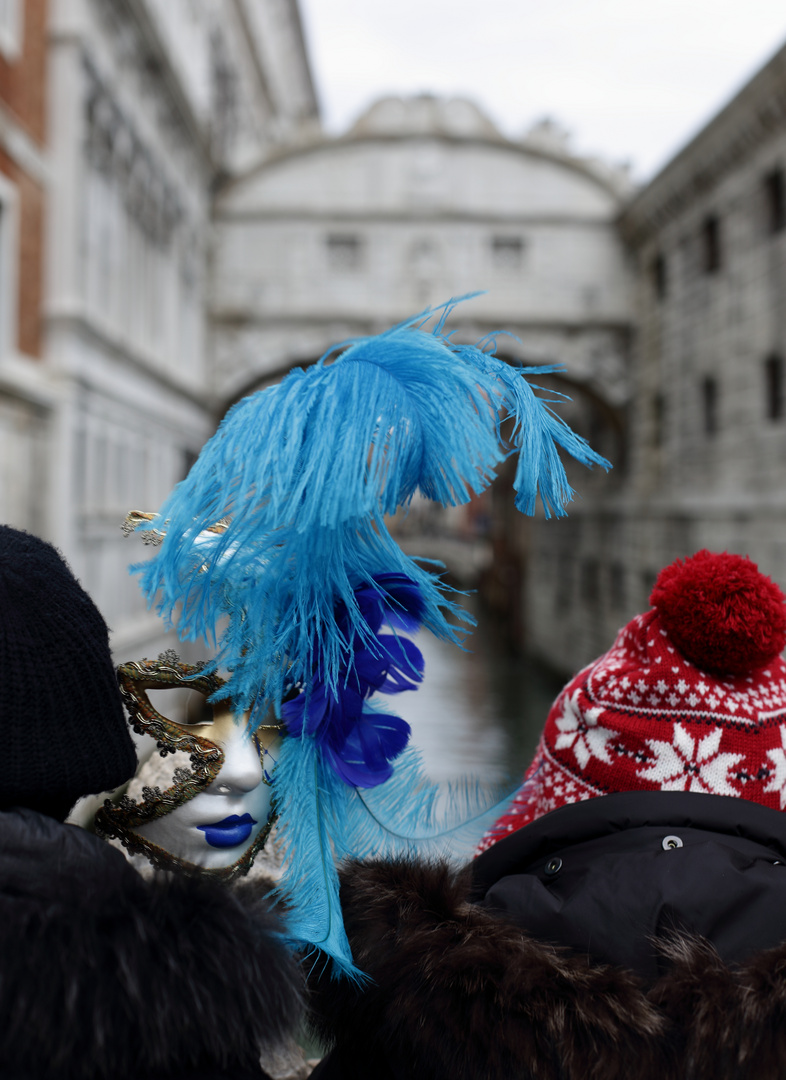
121	819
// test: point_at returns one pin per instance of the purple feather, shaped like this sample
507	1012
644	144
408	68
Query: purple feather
360	744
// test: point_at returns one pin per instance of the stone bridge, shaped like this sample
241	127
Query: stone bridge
421	201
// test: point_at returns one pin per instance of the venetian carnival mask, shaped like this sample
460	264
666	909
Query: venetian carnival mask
275	551
217	812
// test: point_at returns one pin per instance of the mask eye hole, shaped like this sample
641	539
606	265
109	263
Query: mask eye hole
197	710
186	707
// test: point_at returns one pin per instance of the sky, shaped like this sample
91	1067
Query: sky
631	80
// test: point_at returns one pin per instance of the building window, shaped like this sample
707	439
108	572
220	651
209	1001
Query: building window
224	93
711	245
507	252
709	404
773	387
188	459
590	582
564	584
647	579
658	419
344	251
659	279
11	19
617	586
775	201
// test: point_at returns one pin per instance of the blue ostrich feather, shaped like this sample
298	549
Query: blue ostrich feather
306	591
307	470
323	821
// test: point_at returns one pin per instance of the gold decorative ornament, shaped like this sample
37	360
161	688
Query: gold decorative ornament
128	820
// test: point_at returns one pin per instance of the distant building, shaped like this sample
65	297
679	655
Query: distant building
423	199
176	231
119	119
707	431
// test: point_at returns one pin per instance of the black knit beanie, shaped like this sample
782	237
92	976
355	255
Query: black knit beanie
63	730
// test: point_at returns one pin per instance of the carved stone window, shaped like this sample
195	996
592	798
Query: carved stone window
617	594
590	582
775	201
344	251
224	87
659	276
712	255
507	252
647	583
563	593
709	404
773	387
114	149
658	419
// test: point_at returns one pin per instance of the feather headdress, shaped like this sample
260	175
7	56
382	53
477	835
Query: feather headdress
304	593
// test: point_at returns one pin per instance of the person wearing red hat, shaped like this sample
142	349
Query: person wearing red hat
628	911
690	697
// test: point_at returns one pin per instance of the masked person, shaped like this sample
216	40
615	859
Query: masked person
104	973
275	551
627	915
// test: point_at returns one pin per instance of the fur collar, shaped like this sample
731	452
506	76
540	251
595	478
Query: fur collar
107	974
460	993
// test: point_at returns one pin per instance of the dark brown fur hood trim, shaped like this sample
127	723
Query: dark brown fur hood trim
106	974
726	1024
460	993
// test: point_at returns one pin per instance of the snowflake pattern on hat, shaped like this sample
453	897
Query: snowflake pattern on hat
644	717
689	764
777	780
581	732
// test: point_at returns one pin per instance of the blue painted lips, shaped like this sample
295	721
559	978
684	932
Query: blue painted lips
230	832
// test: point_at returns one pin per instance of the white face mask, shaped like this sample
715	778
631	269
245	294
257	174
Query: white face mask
216	814
217	827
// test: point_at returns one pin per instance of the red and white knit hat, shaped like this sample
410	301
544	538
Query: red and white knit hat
690	697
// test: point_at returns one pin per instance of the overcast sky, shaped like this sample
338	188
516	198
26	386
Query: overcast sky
631	79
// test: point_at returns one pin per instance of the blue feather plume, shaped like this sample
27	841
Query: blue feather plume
307	470
323	821
296	590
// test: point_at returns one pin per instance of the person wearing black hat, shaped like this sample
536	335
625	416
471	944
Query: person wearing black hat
104	973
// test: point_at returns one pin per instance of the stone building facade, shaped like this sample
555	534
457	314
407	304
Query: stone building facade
124	117
707	431
175	231
422	200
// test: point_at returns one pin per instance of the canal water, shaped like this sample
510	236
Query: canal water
479	711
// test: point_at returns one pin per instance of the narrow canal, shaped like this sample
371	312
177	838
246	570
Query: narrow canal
479	712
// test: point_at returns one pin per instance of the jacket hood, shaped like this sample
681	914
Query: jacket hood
612	876
463	990
105	973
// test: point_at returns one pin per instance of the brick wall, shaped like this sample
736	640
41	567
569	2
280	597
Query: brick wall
23	80
23	97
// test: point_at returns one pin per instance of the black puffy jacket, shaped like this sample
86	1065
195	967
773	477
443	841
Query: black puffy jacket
639	934
105	975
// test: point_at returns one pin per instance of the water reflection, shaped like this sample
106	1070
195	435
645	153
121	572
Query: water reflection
479	712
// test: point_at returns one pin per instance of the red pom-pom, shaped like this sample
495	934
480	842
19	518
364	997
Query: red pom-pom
721	613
